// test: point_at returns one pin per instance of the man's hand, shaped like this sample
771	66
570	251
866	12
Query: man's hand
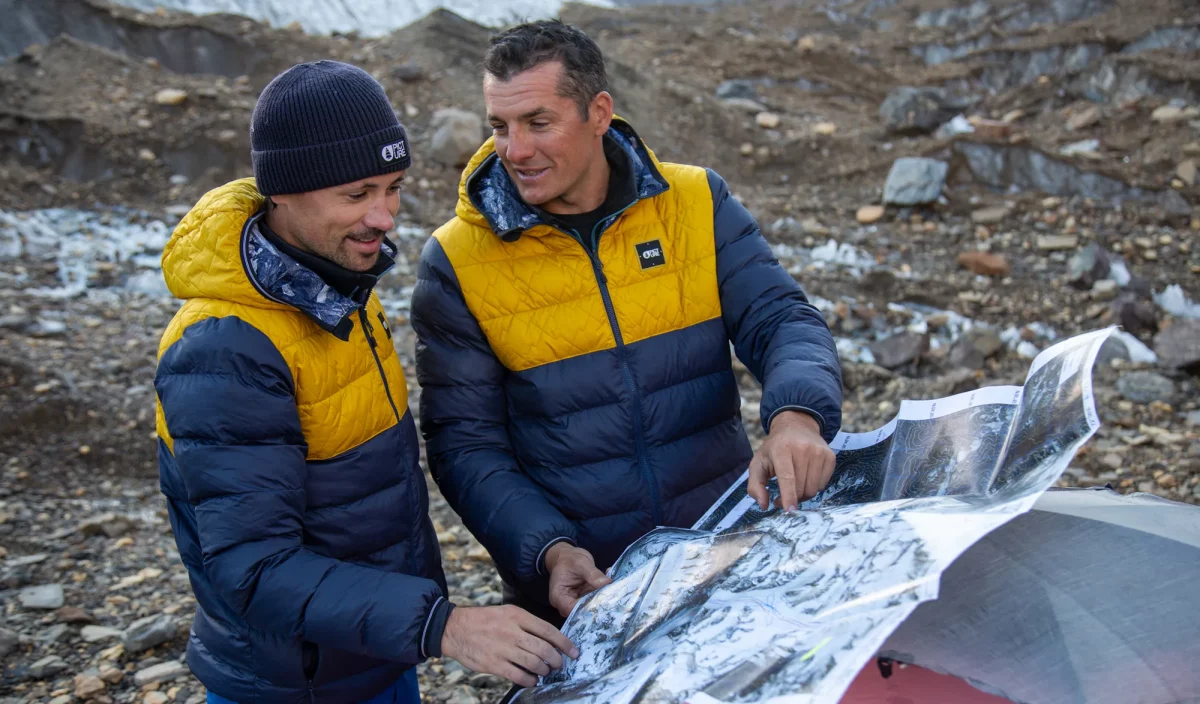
506	641
573	574
796	454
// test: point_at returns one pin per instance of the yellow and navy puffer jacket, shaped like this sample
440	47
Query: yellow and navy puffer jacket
289	460
579	386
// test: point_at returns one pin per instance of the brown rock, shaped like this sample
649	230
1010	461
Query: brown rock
974	349
1168	113
991	129
1084	118
1187	172
1179	345
87	686
74	614
985	263
869	214
991	215
899	350
110	674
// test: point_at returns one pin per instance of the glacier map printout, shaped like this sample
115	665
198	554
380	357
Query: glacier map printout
754	606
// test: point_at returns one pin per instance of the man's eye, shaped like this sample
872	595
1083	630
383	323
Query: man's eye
357	196
396	188
541	125
498	128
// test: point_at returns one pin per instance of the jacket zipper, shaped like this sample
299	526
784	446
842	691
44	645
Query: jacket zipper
639	432
369	332
309	658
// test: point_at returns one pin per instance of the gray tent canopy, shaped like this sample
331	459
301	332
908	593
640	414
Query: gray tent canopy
1089	597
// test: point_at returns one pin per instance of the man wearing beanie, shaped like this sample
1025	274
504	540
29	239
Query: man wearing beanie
287	452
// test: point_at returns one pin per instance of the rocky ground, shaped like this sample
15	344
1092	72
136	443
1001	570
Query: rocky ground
1063	137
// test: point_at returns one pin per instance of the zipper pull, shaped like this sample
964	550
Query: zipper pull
599	267
367	329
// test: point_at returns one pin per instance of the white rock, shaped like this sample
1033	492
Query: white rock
767	120
915	180
170	96
48	666
148	632
744	105
95	634
162	672
46	596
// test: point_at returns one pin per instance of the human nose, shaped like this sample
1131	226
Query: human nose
381	215
520	146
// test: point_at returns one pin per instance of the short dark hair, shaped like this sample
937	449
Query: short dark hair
532	44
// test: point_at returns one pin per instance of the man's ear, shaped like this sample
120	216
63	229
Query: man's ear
600	112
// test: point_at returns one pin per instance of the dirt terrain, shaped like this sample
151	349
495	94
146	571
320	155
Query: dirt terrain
1069	205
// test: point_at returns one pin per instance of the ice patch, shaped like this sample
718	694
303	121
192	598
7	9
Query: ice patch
1138	351
953	128
370	18
1174	301
77	241
843	254
1120	273
82	242
1028	350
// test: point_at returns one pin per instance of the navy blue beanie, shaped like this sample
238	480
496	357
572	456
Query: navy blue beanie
324	124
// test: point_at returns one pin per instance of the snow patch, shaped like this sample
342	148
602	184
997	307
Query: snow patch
370	18
1174	301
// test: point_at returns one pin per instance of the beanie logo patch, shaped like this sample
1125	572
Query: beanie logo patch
393	152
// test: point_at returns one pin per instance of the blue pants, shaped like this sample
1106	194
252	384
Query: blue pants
403	692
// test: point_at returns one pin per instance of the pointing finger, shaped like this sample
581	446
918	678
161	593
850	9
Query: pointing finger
756	486
785	472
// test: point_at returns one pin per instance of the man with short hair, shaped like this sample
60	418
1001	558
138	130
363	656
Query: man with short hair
287	451
574	324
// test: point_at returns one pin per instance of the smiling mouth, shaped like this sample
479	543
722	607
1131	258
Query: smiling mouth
366	242
530	174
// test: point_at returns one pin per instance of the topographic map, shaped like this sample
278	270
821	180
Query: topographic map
754	606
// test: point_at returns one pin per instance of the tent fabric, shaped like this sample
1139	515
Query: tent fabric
913	685
1089	597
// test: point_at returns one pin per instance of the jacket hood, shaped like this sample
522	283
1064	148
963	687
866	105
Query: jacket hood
217	252
203	258
488	198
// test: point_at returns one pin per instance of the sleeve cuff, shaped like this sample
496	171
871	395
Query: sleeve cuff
435	626
803	409
540	563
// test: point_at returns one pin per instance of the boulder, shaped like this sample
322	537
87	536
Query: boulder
457	135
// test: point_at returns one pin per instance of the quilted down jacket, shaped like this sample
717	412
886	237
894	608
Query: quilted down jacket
579	385
289	461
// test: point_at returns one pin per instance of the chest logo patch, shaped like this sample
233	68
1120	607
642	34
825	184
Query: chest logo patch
650	254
